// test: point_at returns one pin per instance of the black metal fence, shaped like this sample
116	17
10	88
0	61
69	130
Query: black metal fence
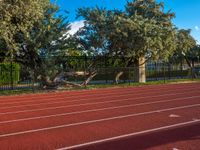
12	78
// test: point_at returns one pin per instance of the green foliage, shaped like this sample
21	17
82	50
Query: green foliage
9	73
48	37
185	42
31	31
17	17
143	29
185	47
2	50
194	53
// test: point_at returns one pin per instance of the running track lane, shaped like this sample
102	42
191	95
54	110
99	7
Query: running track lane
96	105
99	124
74	134
76	117
87	98
6	108
95	92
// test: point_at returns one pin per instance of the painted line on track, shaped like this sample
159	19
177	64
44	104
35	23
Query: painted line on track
90	103
96	110
85	97
98	120
132	134
82	100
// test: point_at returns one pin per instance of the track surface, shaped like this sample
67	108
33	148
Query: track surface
134	118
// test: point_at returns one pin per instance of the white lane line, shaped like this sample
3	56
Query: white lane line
113	95
65	97
90	103
95	98
107	95
97	120
174	116
132	134
83	92
96	110
175	148
86	96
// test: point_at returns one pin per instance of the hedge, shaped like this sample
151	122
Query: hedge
8	69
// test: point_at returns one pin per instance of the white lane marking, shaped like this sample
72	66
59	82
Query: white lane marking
75	92
85	104
195	119
61	98
175	149
92	92
82	100
100	109
97	120
131	134
86	96
174	116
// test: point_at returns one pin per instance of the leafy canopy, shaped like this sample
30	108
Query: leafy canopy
143	29
17	17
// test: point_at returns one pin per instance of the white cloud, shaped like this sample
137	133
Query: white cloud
197	28
75	26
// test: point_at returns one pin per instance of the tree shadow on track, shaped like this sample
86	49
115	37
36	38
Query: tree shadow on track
146	141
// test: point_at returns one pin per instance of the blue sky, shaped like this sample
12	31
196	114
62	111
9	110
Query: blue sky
187	11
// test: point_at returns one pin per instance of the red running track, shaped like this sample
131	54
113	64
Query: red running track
147	117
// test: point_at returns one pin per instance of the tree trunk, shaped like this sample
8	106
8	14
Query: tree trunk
119	74
59	80
89	78
140	73
191	66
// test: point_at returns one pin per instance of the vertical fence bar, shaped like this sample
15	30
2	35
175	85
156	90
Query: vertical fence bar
105	68
181	68
169	71
193	68
0	78
156	71
33	81
164	72
85	61
11	75
129	77
192	73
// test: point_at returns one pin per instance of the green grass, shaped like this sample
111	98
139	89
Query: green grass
15	92
19	92
142	84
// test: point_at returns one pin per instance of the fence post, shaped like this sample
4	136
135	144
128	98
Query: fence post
156	69
11	75
129	80
105	68
85	60
164	73
181	68
33	81
192	73
169	70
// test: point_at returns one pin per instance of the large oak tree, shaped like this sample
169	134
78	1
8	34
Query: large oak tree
144	30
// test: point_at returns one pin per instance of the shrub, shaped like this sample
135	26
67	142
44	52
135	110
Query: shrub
9	73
